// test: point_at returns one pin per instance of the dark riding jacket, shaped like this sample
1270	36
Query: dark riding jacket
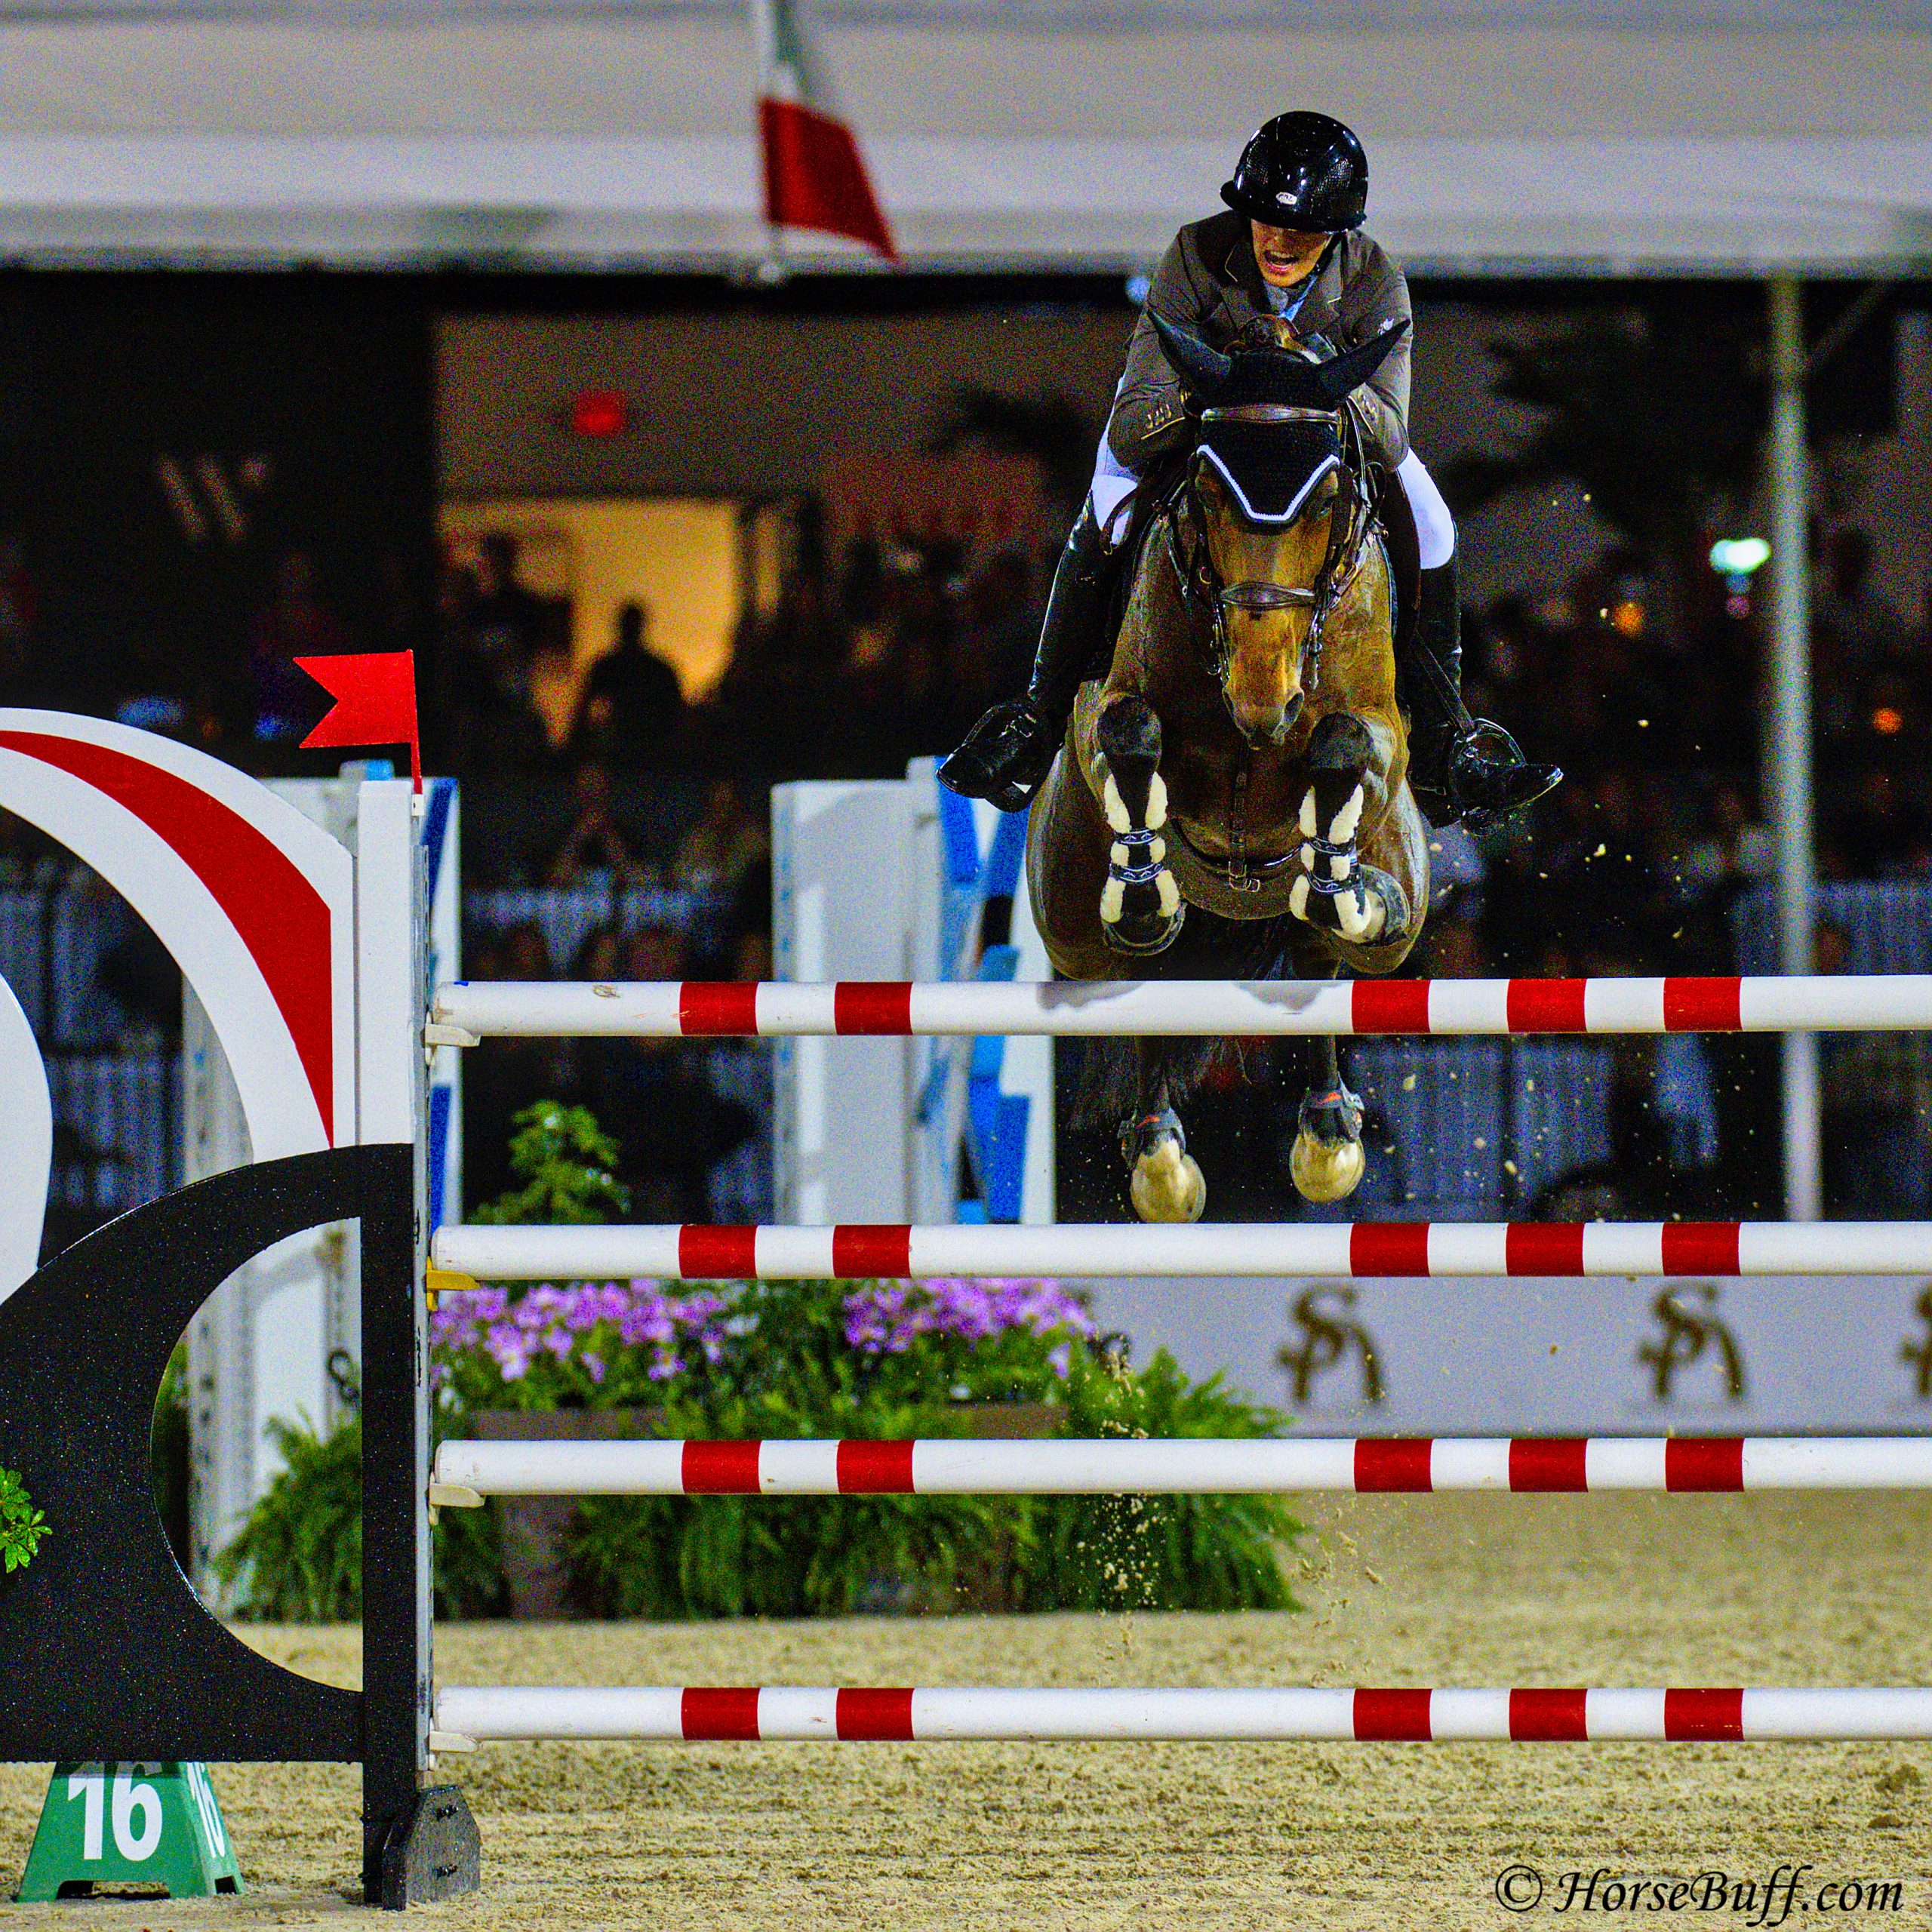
1208	282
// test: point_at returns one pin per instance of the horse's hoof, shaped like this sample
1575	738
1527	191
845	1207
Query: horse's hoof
1167	1184
1327	1170
1141	934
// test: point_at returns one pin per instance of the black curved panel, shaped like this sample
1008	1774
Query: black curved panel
108	1653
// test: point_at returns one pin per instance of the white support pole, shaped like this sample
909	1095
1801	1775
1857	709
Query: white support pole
1789	771
392	916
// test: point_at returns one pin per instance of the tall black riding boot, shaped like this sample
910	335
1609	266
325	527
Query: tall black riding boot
1458	767
1007	755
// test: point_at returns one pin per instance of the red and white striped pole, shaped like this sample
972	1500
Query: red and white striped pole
1368	1250
1681	1464
465	1013
470	1714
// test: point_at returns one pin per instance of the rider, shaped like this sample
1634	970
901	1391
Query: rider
1292	247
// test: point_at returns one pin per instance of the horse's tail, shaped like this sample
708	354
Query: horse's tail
1119	1077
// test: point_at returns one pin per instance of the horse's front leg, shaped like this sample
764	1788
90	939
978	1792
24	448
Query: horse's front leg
1337	893
1140	904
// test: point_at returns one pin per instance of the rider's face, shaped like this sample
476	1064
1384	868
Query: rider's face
1286	254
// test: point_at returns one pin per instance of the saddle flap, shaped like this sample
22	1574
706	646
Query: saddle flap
1390	502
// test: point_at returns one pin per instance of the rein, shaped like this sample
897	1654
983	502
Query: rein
1204	594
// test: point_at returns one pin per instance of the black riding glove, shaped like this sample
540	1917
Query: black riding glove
1005	756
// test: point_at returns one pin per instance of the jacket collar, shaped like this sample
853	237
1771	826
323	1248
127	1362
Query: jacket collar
1241	271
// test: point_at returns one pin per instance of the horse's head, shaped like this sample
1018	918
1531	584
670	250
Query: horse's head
1276	517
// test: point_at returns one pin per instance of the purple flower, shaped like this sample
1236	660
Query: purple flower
886	1318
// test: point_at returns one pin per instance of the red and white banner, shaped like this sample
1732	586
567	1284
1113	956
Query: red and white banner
815	177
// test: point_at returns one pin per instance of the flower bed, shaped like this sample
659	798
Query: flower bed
869	1359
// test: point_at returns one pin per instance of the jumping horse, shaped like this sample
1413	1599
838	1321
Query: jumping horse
1231	801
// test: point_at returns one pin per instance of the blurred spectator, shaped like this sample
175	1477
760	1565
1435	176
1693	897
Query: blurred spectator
19	622
723	846
631	707
656	1098
1733	852
491	629
595	848
508	622
524	953
295	622
1856	635
599	955
998	629
1853	619
501	1077
1453	941
1876	1120
1883	835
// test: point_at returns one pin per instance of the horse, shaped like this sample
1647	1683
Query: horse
1231	799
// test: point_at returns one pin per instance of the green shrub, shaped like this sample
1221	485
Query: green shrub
170	1454
299	1558
22	1526
564	1160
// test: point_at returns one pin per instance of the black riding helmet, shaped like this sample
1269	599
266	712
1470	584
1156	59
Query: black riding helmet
1304	171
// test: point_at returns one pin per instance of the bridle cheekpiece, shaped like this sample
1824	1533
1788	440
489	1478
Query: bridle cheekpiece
1351	527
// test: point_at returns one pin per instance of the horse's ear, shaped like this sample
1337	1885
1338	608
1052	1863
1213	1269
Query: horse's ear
1342	375
1203	372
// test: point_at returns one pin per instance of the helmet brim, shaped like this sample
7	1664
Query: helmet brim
1270	217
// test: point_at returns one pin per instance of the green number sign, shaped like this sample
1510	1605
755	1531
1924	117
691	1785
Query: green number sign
156	1826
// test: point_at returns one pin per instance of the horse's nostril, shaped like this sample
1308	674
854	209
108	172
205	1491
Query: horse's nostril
1292	709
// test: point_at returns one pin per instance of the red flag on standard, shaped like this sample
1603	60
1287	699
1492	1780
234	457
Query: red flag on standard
814	175
375	702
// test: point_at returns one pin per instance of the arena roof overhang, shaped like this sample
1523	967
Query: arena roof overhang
1533	137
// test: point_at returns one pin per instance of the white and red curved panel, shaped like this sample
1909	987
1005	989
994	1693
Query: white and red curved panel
256	904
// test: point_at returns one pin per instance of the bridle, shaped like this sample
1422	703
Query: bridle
1352	525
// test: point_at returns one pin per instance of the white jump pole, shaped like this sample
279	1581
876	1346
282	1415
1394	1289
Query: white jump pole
1197	1466
467	1715
1370	1250
1788	765
464	1014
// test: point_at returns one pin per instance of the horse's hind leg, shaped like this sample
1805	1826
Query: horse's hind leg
1164	1182
1140	905
1327	1162
1359	903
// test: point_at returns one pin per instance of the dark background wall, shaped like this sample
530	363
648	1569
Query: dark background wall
286	412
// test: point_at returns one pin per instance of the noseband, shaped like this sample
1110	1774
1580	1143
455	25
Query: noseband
1351	525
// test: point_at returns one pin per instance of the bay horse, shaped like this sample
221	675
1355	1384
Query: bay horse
1231	801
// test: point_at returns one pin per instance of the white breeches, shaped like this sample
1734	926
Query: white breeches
1113	484
1436	528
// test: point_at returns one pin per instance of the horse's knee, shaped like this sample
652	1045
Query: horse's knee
1129	730
1341	742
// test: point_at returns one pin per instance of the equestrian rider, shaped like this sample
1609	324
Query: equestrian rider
1292	246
